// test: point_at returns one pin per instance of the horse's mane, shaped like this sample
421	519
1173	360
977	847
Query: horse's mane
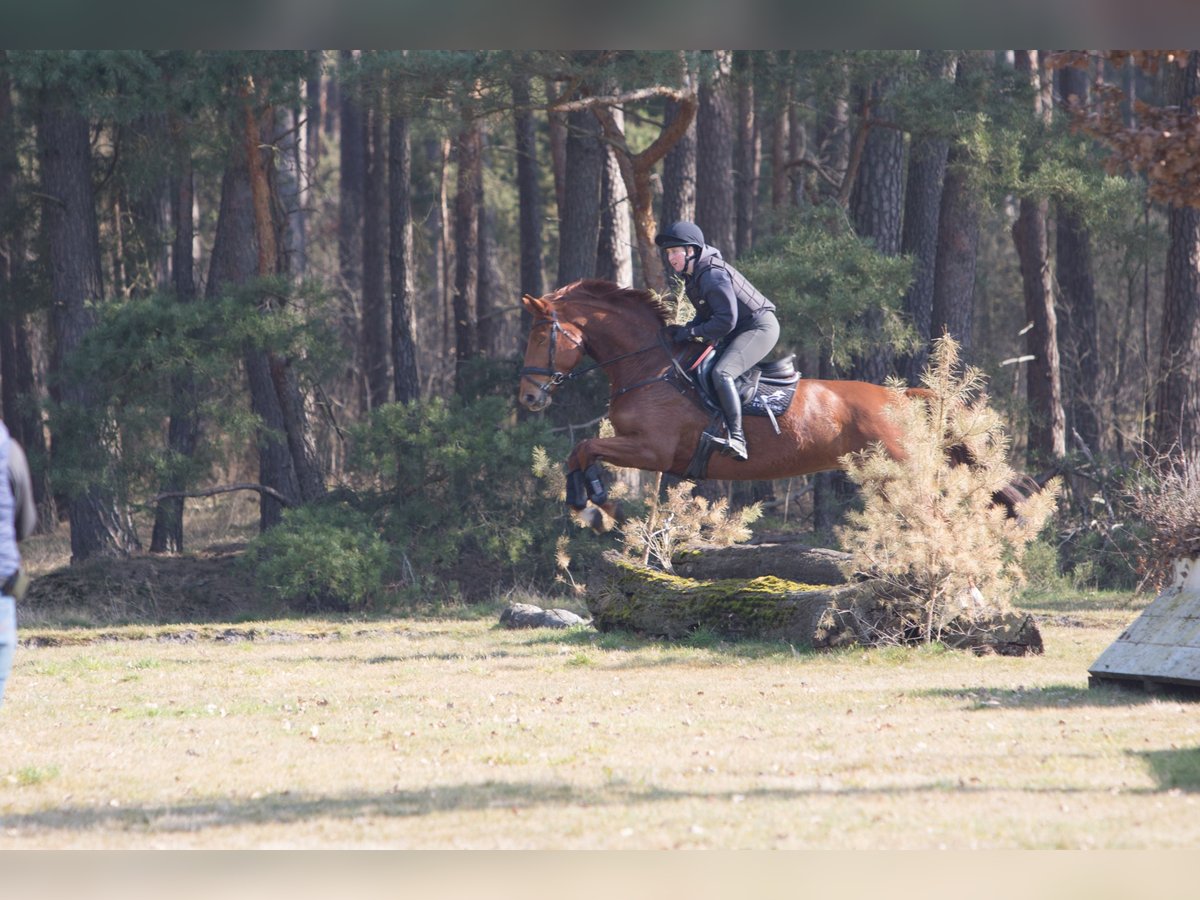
606	293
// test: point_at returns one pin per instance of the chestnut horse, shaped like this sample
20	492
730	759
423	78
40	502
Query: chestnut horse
657	426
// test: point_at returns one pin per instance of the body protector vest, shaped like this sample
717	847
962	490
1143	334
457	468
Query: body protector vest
725	301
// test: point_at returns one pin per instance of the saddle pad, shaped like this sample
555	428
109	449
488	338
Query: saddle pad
776	397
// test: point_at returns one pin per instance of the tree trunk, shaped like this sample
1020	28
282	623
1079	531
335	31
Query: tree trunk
100	526
614	257
1078	328
788	560
877	211
1047	428
183	429
958	237
258	122
749	153
374	329
1177	401
496	336
714	157
623	595
833	136
314	106
1079	337
19	399
679	170
922	204
558	160
292	192
579	228
435	315
407	381
466	244
352	175
780	148
529	197
147	254
637	168
234	262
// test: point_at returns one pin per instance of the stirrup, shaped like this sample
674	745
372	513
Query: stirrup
732	446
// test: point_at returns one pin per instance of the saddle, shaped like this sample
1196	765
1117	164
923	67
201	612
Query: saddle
766	390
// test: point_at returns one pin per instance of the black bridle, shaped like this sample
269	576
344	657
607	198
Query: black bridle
555	377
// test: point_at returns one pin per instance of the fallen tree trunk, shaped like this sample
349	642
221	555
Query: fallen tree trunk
623	595
790	561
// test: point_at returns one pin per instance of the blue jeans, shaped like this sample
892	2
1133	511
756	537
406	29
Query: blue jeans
8	638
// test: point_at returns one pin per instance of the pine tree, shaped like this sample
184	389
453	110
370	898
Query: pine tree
929	530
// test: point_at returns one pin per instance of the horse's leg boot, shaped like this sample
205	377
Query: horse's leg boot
731	405
593	475
576	490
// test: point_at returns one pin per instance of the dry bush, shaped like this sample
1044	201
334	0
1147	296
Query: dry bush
929	530
682	518
1167	499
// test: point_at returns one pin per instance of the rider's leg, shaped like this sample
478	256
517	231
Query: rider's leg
731	404
744	351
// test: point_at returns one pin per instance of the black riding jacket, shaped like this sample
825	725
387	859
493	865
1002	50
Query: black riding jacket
725	301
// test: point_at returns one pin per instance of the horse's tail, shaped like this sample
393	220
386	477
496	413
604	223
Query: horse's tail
1019	489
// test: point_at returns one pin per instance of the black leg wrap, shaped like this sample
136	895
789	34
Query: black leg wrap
576	490
594	477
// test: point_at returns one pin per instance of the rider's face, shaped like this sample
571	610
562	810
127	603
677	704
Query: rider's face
677	258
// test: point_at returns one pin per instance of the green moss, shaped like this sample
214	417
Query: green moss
733	606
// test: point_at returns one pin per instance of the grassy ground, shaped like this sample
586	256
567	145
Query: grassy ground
204	731
453	733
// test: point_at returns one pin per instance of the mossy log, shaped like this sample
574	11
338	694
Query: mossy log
623	595
787	560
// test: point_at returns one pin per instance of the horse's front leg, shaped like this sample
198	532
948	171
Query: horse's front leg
584	475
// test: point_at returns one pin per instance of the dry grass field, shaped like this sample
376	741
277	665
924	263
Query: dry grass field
454	733
458	734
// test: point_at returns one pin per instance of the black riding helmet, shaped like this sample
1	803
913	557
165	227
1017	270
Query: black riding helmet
682	234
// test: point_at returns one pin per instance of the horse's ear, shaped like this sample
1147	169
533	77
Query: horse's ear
536	306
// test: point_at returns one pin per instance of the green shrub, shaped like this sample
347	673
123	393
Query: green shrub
451	488
326	556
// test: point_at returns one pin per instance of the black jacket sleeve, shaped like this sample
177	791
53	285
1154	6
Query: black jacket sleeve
716	288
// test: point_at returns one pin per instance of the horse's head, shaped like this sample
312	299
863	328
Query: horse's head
555	348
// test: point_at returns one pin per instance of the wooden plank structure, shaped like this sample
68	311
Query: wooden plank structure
1161	649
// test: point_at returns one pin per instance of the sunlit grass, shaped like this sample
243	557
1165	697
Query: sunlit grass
450	733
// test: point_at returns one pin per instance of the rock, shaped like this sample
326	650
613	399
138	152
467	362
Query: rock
526	615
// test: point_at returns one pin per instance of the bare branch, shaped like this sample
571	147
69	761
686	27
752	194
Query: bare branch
620	99
226	489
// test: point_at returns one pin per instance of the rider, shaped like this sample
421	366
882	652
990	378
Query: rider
727	305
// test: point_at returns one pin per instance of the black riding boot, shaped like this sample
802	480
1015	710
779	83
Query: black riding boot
731	404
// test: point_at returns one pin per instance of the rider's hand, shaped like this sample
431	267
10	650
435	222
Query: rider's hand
680	334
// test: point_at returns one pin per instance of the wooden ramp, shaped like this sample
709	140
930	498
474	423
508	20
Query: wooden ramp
1161	649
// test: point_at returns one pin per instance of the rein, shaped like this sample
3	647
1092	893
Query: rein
555	377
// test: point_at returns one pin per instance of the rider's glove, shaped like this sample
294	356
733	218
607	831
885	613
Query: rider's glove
680	333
